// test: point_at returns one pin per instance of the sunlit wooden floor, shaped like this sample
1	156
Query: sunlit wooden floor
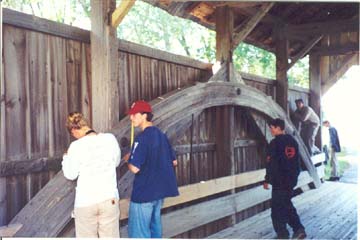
329	212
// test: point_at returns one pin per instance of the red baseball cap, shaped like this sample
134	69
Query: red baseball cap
139	107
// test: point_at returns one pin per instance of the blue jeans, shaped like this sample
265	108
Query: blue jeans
145	219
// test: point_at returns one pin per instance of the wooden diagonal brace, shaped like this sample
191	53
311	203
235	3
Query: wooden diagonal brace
251	24
121	11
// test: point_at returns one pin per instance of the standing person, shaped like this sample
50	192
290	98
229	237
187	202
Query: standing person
152	160
282	171
310	124
92	160
334	147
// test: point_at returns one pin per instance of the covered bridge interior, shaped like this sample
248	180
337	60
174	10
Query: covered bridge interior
216	121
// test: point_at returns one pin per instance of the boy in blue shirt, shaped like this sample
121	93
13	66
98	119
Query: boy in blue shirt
152	160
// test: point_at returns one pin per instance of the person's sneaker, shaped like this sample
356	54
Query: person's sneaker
299	234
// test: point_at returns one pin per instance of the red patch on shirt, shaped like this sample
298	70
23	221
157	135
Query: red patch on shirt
268	158
289	152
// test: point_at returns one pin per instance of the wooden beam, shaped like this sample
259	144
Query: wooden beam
202	147
137	49
204	189
104	67
323	28
34	23
243	31
13	168
3	198
121	11
336	50
315	91
245	143
282	84
318	158
224	28
9	230
304	51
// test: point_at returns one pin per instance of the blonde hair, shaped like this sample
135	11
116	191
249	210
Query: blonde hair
75	120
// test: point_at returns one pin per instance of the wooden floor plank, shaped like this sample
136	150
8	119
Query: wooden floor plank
329	212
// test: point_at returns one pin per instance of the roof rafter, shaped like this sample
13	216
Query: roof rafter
350	25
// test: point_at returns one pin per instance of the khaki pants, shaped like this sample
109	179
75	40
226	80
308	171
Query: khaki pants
98	220
333	163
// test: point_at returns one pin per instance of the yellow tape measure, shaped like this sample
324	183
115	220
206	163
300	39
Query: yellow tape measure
132	135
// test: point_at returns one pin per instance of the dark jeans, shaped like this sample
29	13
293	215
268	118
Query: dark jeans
283	212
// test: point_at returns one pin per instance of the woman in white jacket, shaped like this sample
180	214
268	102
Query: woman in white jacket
92	159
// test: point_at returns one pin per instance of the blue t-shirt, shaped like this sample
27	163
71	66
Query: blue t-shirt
153	155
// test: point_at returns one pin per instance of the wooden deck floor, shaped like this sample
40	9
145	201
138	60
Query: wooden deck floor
329	212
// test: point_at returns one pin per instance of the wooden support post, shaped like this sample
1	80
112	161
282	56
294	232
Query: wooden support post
224	31
104	59
281	69
225	115
3	208
315	91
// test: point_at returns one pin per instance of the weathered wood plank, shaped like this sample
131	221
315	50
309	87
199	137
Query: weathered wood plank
318	158
14	92
336	50
204	189
133	48
3	200
31	22
244	143
9	230
202	147
328	27
51	208
12	168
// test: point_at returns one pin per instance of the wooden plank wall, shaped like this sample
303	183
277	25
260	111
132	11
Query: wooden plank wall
47	76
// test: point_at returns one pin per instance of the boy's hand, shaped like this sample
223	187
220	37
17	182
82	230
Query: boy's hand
266	185
126	157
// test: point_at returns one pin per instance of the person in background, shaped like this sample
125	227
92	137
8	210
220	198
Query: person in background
309	126
334	147
152	160
282	171
92	159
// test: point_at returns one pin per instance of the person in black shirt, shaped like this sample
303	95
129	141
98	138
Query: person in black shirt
282	171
